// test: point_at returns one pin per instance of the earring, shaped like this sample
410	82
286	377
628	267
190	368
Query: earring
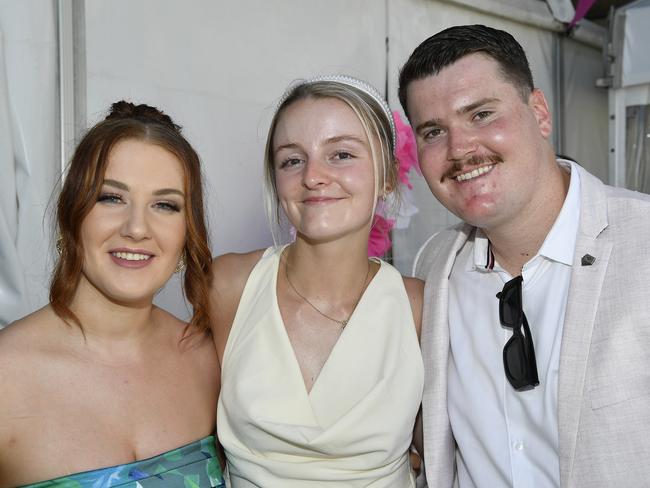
59	244
181	265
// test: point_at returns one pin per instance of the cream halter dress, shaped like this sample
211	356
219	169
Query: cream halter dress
354	427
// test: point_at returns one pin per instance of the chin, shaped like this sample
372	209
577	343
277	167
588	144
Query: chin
481	215
133	301
130	296
486	223
331	234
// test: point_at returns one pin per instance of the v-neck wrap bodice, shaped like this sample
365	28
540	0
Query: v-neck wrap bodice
354	427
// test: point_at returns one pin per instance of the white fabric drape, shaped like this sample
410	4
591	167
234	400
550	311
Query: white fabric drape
635	69
637	150
28	152
11	278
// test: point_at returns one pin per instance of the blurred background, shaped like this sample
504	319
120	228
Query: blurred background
219	67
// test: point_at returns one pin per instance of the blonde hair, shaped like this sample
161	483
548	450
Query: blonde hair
377	122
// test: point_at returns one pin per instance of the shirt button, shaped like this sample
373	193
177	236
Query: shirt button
518	445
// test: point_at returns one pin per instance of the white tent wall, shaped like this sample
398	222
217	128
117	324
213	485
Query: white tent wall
585	109
581	109
219	68
29	152
628	73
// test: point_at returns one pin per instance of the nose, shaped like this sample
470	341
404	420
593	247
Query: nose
461	143
135	225
314	173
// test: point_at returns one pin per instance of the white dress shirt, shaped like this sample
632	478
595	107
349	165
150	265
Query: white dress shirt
507	437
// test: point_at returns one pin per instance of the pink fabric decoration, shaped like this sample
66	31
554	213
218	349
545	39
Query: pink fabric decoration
379	241
581	10
406	152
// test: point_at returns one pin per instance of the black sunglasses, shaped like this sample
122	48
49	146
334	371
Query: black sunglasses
518	354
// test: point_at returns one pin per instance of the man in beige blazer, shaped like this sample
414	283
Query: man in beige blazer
548	382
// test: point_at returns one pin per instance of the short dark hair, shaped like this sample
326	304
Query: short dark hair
448	46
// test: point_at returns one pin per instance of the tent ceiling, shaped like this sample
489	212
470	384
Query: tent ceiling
600	9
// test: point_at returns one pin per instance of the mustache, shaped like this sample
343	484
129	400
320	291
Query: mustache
474	160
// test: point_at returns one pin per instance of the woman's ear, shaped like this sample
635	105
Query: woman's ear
388	186
385	191
390	180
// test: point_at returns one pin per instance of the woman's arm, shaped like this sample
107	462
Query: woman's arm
230	273
415	291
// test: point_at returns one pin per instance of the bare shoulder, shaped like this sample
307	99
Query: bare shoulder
26	347
25	336
415	291
196	348
230	274
172	326
232	270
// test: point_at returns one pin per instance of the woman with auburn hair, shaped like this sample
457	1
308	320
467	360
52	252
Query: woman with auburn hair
322	375
100	387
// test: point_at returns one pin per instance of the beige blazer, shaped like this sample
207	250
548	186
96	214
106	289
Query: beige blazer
604	378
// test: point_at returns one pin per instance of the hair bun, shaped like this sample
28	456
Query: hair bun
127	110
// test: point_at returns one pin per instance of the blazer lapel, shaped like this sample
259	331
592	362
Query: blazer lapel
589	266
438	440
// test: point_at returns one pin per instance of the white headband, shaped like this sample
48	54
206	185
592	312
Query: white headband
366	88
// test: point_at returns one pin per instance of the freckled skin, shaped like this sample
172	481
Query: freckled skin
341	172
136	218
500	124
73	400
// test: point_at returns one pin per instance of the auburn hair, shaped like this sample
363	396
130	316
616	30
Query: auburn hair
83	184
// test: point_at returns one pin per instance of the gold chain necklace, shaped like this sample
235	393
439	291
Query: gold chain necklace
342	323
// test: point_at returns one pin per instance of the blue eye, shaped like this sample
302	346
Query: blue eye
290	162
168	206
344	155
109	198
431	133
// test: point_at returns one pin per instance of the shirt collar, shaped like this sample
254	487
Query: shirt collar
560	242
482	259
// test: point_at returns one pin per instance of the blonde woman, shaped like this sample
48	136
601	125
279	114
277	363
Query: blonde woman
321	369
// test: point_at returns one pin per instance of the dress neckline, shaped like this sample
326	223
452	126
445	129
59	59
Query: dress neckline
345	333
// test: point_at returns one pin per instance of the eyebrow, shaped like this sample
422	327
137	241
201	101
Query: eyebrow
290	145
125	187
473	106
462	110
345	138
426	125
331	140
116	184
169	191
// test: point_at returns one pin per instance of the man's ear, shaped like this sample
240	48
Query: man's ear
537	103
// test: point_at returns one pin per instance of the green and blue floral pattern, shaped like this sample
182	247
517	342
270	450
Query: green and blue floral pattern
192	466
